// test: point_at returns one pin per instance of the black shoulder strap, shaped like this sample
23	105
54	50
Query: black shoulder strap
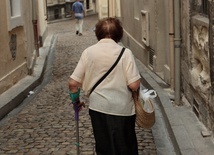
107	73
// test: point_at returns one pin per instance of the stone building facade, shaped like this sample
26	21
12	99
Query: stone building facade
108	8
147	32
22	28
196	64
59	9
174	39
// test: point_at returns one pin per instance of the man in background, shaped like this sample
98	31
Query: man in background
78	13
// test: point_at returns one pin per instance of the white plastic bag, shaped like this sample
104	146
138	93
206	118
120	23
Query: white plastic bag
146	95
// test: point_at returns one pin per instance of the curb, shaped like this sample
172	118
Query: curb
182	125
150	81
164	102
14	96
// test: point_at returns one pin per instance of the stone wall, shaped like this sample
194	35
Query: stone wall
16	43
196	79
200	70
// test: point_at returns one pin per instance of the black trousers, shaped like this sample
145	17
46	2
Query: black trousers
114	135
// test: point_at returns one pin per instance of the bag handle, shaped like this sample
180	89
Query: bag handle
145	94
107	73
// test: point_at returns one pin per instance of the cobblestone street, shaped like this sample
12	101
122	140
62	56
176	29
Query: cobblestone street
46	125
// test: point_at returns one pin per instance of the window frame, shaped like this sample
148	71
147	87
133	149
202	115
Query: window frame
14	15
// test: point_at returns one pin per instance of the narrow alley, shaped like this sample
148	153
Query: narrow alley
45	125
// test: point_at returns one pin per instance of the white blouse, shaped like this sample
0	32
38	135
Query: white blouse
112	95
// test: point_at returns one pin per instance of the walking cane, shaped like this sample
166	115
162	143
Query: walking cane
76	109
77	105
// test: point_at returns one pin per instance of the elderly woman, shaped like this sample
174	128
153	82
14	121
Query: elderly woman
111	106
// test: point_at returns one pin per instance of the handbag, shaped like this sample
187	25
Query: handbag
109	71
144	119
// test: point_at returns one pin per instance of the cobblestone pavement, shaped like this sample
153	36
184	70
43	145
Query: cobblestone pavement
46	125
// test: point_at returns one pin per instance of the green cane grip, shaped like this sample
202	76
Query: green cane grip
74	96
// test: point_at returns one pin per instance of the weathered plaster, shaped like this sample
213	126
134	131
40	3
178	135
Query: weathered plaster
200	76
17	53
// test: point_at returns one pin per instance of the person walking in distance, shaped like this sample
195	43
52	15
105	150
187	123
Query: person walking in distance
78	13
111	106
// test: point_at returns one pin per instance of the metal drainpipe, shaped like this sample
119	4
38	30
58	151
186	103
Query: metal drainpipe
171	46
108	8
46	5
177	46
34	21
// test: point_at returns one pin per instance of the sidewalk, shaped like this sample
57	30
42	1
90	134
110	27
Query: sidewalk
176	131
182	124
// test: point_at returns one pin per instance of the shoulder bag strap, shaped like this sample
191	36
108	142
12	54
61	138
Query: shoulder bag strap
107	73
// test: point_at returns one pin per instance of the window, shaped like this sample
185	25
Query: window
205	7
87	4
15	8
14	14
